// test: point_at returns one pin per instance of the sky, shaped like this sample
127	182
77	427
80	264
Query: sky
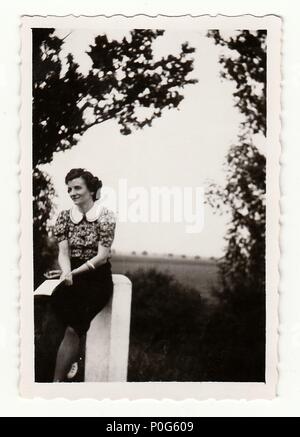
184	148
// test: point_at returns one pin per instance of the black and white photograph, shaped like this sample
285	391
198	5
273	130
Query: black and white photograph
150	206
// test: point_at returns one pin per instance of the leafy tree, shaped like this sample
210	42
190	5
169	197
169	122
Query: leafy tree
237	329
43	197
124	78
247	66
244	193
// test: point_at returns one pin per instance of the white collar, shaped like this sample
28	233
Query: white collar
92	215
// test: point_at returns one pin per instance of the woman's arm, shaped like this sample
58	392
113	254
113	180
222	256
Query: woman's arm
96	261
64	258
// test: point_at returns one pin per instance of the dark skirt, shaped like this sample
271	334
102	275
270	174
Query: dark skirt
77	304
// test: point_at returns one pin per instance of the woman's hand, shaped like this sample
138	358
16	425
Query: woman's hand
67	278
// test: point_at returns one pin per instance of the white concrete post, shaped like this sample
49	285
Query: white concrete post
107	341
120	329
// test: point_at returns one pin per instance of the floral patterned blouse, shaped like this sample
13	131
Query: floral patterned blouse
84	231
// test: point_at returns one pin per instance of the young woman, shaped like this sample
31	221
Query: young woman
85	234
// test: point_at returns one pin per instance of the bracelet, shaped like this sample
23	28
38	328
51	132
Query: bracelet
90	265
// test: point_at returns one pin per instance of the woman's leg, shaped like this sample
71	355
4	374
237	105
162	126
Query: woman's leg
66	355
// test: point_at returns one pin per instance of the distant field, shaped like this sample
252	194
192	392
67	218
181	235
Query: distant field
200	274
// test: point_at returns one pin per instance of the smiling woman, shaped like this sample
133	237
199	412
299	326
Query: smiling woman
83	187
85	234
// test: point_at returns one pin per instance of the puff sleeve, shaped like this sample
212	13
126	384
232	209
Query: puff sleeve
106	228
60	229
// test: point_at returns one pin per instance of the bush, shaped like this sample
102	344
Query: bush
176	336
234	340
167	322
45	257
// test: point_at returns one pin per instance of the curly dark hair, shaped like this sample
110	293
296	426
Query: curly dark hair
93	183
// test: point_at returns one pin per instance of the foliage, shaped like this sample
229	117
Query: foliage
43	196
233	343
166	328
44	248
246	65
176	336
244	198
123	79
237	328
244	62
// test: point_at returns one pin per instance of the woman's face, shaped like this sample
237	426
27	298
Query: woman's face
79	192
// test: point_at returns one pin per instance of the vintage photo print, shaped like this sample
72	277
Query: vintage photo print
150	207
